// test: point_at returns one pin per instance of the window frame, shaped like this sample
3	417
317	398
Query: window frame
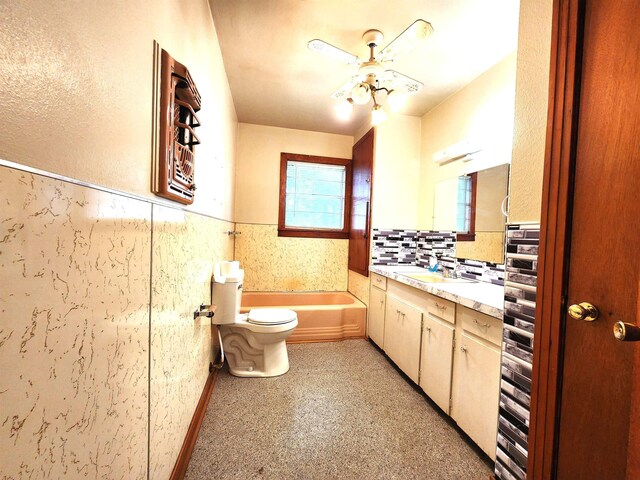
470	236
284	231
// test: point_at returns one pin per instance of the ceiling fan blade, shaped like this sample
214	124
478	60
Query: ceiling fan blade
344	91
333	52
402	83
406	41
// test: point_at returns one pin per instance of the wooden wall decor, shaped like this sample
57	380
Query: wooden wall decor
176	102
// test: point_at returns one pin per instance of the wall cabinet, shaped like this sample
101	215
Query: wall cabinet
402	336
476	377
375	328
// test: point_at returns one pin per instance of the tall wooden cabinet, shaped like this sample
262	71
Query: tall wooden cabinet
360	225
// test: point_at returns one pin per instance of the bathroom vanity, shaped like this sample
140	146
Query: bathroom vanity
445	335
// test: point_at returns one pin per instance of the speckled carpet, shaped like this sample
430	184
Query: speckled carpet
342	411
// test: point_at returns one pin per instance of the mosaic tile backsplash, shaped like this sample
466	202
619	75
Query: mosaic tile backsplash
517	350
416	247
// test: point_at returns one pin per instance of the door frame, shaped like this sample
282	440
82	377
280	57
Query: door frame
555	235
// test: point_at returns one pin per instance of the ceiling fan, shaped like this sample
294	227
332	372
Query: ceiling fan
372	75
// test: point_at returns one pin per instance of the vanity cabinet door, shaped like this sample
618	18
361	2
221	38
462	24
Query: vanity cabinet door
476	381
436	361
402	335
376	316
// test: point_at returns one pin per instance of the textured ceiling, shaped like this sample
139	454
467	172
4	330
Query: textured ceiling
276	80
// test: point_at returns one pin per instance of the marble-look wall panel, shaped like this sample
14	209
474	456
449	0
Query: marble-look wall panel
273	263
74	326
359	286
185	247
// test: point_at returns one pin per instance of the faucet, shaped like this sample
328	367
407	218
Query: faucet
451	273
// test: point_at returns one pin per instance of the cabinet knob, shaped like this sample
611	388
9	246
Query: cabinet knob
483	325
428	329
463	349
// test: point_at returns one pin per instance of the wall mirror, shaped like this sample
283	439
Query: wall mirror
472	205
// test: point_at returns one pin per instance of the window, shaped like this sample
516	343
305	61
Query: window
466	207
314	196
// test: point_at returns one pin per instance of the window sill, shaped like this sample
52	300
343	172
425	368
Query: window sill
466	237
305	233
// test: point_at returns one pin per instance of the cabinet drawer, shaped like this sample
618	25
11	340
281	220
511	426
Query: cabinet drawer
442	308
480	325
379	281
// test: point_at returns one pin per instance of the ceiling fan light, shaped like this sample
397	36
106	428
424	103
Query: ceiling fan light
361	93
344	109
378	115
396	100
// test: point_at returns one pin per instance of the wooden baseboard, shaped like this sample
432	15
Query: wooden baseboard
180	467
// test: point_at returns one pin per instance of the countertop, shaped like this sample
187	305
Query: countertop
480	296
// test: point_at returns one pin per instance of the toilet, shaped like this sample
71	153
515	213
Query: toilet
254	343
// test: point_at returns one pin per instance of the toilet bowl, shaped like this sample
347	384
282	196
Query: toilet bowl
255	343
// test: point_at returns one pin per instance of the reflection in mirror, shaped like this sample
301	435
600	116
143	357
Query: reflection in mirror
472	205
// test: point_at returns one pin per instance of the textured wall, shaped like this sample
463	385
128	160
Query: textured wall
532	91
79	268
185	247
488	247
396	173
74	330
273	263
359	286
76	78
258	165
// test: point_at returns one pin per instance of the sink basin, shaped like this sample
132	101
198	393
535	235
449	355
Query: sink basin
435	278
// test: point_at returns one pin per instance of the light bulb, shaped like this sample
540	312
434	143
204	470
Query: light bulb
396	100
377	115
344	109
361	93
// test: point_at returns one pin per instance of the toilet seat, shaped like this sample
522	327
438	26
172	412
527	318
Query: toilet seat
270	316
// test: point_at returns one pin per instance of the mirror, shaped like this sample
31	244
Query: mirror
472	205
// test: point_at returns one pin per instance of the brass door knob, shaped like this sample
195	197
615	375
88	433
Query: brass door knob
626	332
583	311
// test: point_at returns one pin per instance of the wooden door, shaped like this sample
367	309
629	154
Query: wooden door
436	360
362	171
376	316
586	398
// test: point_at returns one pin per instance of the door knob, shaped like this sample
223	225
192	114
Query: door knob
626	332
583	311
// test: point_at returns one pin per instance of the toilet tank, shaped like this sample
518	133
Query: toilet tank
226	297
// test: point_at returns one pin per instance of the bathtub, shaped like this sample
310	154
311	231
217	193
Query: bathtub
322	316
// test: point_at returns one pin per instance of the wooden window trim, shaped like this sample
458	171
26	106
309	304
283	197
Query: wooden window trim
470	236
284	231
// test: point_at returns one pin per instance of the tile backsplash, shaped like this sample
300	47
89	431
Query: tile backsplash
416	247
517	351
